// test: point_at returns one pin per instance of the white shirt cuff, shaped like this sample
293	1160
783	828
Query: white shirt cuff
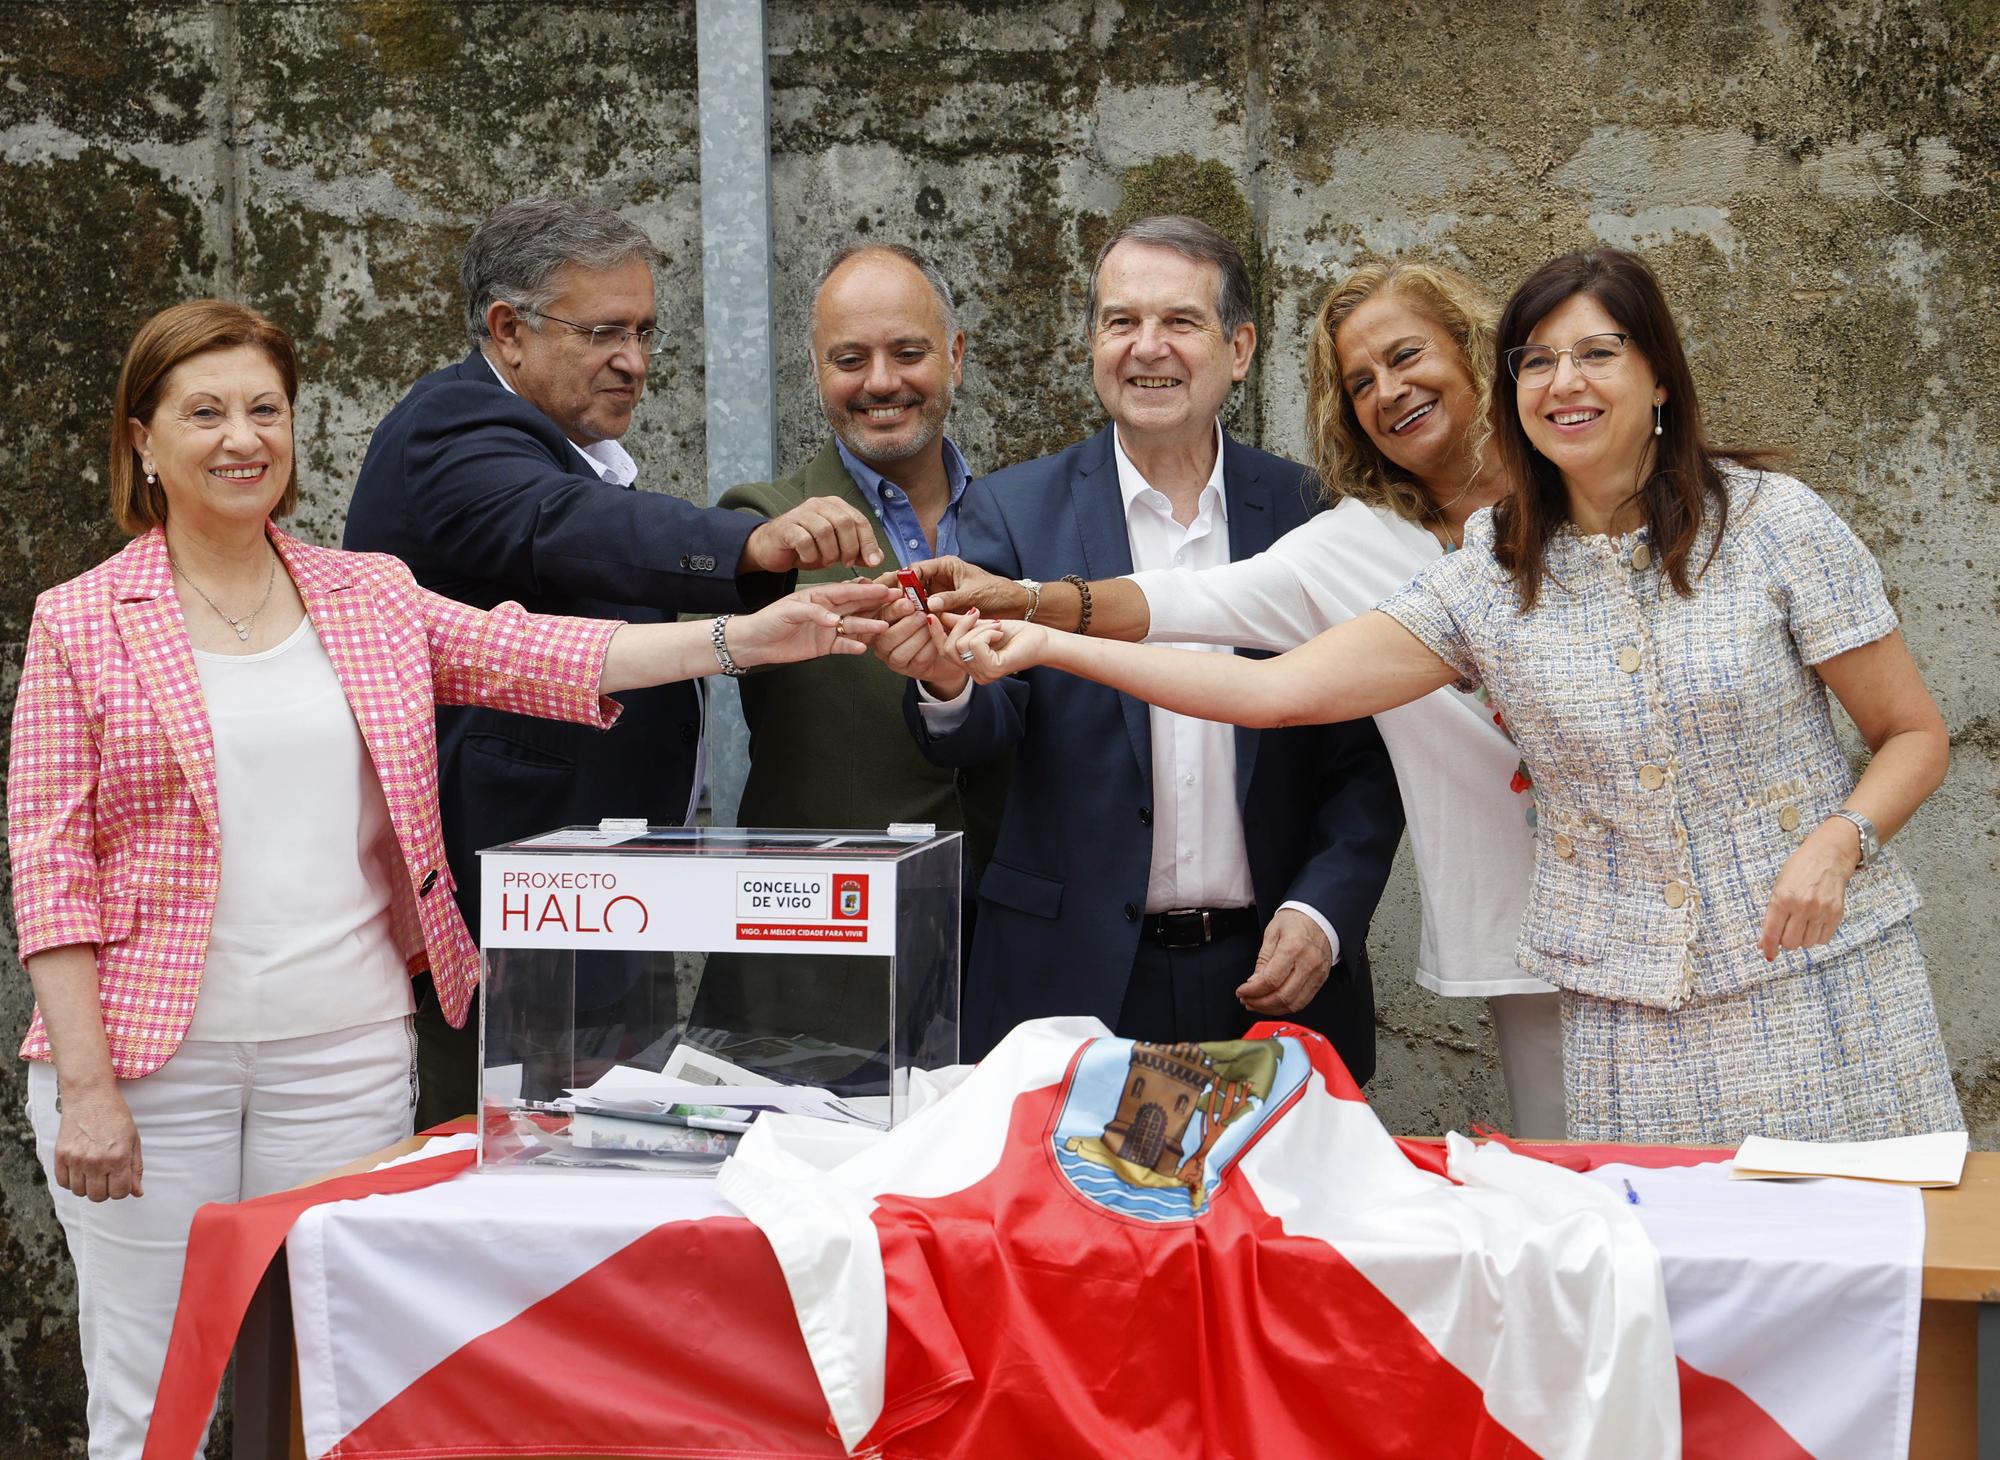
1332	938
941	717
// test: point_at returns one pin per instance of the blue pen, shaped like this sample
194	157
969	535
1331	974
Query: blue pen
1630	1195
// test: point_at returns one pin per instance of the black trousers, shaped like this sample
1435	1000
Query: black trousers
447	1059
1189	994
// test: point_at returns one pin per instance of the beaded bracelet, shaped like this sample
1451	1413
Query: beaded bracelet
1083	592
722	655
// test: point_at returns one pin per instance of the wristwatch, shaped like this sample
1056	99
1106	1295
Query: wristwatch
1871	844
1034	602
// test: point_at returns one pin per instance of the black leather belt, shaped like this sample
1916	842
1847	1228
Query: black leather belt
1191	927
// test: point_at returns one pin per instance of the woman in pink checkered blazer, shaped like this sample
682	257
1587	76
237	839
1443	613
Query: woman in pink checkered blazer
223	823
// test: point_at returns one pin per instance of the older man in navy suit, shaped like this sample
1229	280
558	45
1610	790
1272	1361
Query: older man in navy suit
501	477
1175	877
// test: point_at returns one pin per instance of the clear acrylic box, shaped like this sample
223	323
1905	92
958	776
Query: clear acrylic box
815	958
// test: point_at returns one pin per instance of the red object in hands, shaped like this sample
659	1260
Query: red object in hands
913	589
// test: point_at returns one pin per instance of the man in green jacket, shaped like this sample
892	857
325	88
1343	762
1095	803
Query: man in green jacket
828	746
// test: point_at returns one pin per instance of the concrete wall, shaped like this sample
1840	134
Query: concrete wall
1816	183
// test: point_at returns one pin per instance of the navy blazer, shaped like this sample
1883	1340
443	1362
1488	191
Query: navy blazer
486	500
1060	902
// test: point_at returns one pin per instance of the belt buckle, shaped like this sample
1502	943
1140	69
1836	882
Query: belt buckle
1186	927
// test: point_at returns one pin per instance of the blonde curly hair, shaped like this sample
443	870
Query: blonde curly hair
1347	460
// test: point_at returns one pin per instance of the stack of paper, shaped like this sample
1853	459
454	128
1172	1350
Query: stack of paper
1929	1160
638	1094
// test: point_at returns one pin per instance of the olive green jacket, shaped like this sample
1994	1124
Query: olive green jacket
828	745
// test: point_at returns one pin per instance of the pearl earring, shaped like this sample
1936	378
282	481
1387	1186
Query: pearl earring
1656	417
152	479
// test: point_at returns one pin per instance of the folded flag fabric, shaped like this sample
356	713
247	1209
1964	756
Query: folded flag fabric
441	1313
1795	1309
1208	1250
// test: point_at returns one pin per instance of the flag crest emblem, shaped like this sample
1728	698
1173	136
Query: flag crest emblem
1150	1130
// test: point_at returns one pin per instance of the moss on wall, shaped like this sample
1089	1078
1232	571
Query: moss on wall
1814	181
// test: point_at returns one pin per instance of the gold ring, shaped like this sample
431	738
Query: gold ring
840	627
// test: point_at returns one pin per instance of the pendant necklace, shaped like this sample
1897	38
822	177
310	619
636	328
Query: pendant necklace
242	624
1438	522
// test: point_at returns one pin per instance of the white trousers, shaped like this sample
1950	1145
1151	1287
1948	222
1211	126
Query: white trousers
1528	1029
217	1122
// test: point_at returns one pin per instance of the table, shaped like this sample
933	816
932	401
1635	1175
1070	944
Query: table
1958	1346
1958	1362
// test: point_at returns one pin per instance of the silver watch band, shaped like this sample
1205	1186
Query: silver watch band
1871	843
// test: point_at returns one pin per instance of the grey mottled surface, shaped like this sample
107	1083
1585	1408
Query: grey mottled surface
1816	183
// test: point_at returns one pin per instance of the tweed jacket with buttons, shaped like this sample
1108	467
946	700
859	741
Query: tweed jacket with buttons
1681	748
112	822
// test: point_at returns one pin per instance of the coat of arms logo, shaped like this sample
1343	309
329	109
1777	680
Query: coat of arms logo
1157	1155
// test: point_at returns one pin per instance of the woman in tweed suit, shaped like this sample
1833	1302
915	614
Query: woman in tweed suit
219	1016
1659	627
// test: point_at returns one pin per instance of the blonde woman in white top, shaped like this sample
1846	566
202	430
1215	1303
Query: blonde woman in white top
1401	359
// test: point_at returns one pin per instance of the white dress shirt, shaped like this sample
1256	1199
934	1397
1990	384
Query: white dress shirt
1199	858
1198	855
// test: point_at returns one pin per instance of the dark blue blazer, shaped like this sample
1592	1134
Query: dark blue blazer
486	500
1059	904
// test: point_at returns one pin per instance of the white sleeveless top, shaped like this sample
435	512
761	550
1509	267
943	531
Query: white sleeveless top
301	942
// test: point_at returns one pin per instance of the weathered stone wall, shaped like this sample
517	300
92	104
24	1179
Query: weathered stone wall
1816	183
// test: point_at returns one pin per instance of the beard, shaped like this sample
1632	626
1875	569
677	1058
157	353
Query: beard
870	446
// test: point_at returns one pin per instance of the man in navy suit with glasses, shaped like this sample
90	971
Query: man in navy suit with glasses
501	477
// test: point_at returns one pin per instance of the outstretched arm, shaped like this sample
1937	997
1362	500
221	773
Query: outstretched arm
1358	668
825	619
1118	609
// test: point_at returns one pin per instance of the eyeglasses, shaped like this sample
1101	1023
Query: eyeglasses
610	337
1595	355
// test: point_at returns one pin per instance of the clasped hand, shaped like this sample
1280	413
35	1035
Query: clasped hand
828	618
97	1147
1810	894
1292	965
944	651
820	532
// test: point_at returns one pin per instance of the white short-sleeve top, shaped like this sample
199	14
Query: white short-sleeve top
301	942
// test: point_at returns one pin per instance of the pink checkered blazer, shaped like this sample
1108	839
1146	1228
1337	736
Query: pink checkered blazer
111	806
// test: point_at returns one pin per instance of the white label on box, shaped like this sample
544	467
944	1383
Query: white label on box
691	904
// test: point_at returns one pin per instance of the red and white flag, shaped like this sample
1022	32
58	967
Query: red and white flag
441	1313
1209	1250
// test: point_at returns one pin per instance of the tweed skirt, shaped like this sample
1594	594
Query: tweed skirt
1847	1050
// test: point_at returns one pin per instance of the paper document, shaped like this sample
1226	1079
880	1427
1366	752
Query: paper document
631	1091
1930	1160
699	1067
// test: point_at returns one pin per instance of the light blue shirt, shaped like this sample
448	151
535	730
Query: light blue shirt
892	505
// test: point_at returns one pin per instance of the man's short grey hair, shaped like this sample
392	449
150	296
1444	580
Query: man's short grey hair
947	306
513	257
1192	239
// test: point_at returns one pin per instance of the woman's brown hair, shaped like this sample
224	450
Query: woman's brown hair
1348	462
1684	483
173	335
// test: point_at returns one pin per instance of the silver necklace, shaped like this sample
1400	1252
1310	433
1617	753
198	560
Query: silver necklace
1439	509
242	624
